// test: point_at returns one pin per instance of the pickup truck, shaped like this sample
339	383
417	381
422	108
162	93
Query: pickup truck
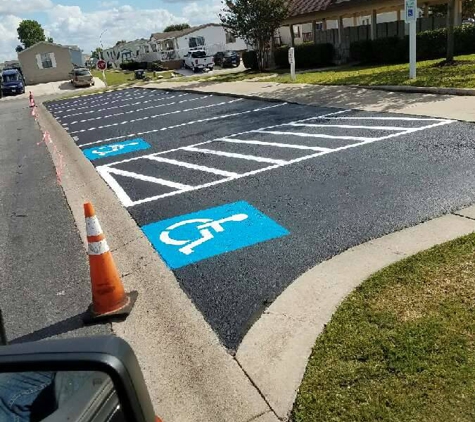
198	60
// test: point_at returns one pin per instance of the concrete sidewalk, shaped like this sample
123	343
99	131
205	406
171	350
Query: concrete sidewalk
446	106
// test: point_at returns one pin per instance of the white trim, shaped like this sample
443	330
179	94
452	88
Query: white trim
98	248
93	228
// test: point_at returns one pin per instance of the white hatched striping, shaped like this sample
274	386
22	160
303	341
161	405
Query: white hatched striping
273	144
193	166
235	155
348	126
152	179
315	135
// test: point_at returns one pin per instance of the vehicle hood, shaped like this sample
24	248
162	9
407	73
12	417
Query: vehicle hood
12	84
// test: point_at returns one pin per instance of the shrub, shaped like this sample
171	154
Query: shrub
133	65
307	55
430	45
249	59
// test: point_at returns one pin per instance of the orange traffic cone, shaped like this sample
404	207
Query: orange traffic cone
32	100
108	296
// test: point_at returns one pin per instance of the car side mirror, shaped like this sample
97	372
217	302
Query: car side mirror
76	380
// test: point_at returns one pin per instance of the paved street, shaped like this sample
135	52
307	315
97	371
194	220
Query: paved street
44	271
241	196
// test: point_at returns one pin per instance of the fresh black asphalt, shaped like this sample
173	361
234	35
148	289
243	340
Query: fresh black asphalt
328	203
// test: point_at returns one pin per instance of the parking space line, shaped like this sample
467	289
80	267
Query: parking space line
387	118
114	185
273	144
349	126
192	122
159	115
151	179
193	166
122	106
235	155
315	135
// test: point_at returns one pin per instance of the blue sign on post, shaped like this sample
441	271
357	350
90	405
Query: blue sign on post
118	148
193	237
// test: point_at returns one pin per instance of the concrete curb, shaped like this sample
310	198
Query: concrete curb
420	89
275	351
189	374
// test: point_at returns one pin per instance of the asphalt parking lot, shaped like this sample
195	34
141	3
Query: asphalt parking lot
242	196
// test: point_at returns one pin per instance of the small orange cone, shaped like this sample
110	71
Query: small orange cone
108	296
32	100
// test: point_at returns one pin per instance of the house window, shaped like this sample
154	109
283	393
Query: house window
230	38
46	61
154	48
194	42
296	31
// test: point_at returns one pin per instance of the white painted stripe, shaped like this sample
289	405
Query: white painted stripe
123	197
160	115
234	155
388	118
300	159
98	248
93	228
349	126
151	179
224	116
194	166
273	144
137	103
314	135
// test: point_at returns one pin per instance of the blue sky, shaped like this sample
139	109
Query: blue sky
81	22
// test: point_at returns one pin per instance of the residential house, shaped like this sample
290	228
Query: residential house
49	62
173	46
341	22
126	51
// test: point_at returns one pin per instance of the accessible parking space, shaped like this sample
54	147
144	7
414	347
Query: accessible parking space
241	196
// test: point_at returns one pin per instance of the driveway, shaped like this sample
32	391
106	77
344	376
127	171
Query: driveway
240	196
51	88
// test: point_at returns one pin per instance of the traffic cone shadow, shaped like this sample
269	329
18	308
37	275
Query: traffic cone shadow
109	299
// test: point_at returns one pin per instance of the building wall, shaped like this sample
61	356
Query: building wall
34	74
115	56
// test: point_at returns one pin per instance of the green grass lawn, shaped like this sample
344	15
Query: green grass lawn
118	77
460	76
401	347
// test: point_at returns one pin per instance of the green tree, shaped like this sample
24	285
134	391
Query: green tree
97	53
18	48
30	32
50	39
177	27
255	21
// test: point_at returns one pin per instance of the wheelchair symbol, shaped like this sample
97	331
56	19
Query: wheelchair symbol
205	224
112	148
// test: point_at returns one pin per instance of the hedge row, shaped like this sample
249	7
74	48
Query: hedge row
307	55
153	66
249	59
430	45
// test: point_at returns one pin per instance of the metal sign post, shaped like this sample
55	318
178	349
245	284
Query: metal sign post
101	65
292	62
410	14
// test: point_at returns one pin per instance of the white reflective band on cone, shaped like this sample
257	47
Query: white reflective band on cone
93	228
98	248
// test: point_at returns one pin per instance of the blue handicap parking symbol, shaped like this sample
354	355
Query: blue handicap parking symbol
118	148
193	237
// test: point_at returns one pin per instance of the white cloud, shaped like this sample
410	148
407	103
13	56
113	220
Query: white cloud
108	4
199	13
70	25
9	38
24	6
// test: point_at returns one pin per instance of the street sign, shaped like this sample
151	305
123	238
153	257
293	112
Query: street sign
101	65
291	55
203	234
410	10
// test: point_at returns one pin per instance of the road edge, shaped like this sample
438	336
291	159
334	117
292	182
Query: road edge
189	374
276	349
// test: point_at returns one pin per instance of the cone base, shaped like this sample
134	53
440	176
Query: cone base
90	317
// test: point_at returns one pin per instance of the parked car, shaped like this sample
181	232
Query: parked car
81	77
198	60
227	58
12	82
